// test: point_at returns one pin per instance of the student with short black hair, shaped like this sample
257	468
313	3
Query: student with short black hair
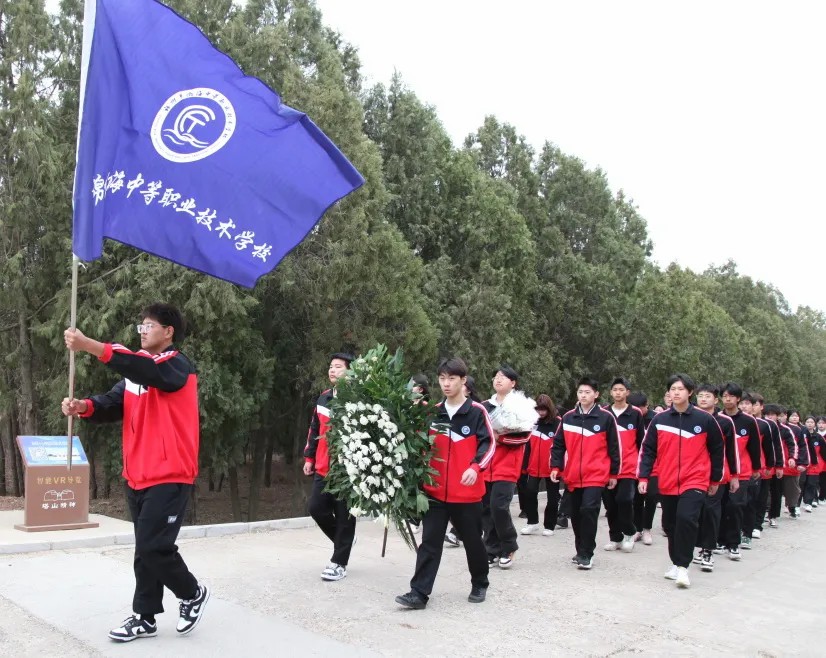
331	514
791	478
463	447
687	444
788	453
821	431
772	457
645	505
501	478
619	501
737	525
590	439
810	479
156	402
714	504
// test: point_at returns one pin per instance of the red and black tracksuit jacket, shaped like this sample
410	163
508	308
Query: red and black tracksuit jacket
731	463
748	444
539	449
158	403
587	449
768	445
317	452
462	442
687	448
780	450
510	453
630	425
813	441
801	453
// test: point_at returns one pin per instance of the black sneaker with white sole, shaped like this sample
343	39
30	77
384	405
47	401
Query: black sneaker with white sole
192	610
132	628
584	563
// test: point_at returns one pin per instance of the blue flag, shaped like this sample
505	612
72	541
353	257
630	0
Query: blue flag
183	156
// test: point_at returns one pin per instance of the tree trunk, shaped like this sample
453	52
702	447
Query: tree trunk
18	463
93	477
220	483
258	452
5	430
27	420
211	478
234	496
268	460
9	448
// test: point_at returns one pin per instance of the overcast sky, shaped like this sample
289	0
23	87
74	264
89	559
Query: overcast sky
708	114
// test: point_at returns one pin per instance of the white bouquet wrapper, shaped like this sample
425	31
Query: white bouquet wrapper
517	414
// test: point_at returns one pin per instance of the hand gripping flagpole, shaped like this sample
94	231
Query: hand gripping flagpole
89	11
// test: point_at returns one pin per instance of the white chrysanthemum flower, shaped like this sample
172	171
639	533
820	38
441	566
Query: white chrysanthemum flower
382	441
399	470
391	490
388	461
396	483
361	406
376	468
356	511
377	456
373	447
400	436
351	407
377	408
372	418
376	498
363	420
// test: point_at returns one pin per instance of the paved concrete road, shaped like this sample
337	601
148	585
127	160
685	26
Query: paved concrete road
268	599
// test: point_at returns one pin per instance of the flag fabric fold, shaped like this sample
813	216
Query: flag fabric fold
183	156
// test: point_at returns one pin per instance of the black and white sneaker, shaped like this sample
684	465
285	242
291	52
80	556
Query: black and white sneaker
334	572
707	562
451	540
192	610
132	628
698	559
584	563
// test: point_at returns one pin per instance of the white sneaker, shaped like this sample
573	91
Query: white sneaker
797	511
682	578
530	529
547	532
756	534
671	574
627	544
334	572
646	538
773	523
612	546
808	508
638	536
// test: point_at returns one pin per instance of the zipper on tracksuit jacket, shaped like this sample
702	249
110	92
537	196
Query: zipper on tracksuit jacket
680	452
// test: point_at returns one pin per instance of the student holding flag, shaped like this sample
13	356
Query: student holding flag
157	402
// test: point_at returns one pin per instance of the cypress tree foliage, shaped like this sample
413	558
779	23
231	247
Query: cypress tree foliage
492	249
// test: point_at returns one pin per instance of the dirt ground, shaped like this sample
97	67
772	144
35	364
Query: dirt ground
285	498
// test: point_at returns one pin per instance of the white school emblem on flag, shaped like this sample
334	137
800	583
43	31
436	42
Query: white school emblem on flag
465	430
630	426
742	432
596	428
193	124
697	429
